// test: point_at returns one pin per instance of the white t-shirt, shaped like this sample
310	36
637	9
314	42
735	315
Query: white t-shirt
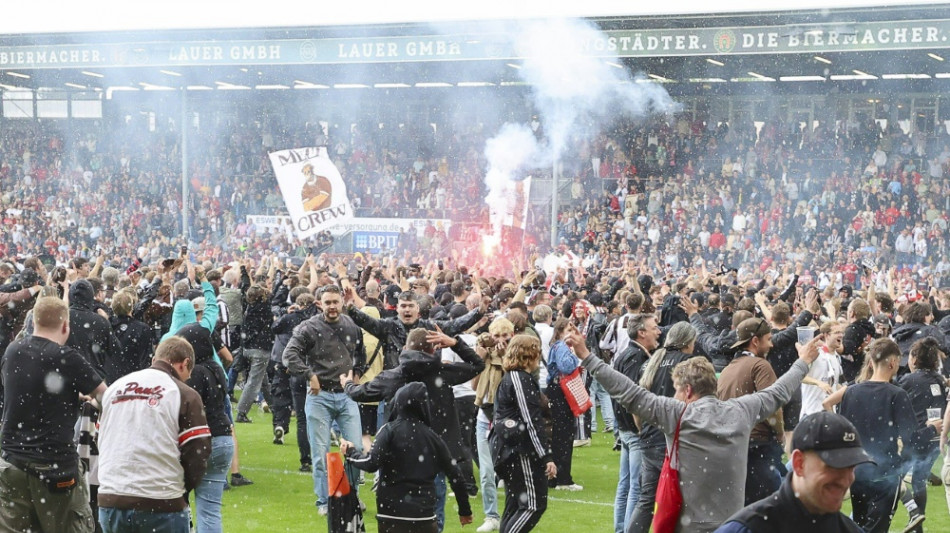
827	369
448	355
545	332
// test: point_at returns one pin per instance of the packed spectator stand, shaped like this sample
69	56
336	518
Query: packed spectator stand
674	192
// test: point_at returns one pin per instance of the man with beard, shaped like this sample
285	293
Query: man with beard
316	191
322	349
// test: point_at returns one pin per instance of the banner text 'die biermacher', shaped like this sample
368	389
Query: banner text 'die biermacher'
313	190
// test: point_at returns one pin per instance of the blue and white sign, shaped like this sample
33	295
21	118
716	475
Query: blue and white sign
375	242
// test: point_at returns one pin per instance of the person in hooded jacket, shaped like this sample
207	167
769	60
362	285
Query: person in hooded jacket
209	381
184	311
521	450
917	317
420	361
409	454
89	332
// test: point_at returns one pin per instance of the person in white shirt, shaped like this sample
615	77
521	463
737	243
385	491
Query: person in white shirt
824	377
542	316
465	405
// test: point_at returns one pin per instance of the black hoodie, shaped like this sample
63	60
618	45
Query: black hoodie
409	454
907	334
208	378
90	333
438	378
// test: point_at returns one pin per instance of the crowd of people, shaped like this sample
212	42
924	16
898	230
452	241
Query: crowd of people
692	265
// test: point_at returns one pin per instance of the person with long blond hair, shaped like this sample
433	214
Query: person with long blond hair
521	450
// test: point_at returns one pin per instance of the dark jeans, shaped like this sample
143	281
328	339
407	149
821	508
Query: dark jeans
562	435
764	471
873	498
280	394
922	463
584	428
119	520
467	413
650	466
298	391
240	364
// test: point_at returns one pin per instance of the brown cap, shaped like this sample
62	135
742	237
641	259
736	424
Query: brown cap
751	327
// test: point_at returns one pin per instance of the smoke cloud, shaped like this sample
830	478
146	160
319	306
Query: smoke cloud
575	94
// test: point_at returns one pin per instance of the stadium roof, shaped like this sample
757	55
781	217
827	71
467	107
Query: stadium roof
212	45
68	16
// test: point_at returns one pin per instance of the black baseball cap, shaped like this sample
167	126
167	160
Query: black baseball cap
833	437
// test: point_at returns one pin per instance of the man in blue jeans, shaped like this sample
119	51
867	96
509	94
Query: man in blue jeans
322	349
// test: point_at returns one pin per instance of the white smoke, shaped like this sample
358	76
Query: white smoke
575	94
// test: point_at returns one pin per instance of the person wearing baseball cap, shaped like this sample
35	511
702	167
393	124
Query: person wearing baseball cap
826	450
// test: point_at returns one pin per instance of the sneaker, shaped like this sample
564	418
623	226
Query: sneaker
265	407
306	467
278	435
573	487
608	429
916	519
322	510
490	524
237	480
242	419
582	443
334	439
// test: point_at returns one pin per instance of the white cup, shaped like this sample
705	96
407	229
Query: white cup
805	334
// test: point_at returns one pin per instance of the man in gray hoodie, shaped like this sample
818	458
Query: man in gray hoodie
714	434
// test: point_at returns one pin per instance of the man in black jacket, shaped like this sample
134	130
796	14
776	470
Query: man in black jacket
917	325
410	456
826	451
420	362
89	332
392	332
